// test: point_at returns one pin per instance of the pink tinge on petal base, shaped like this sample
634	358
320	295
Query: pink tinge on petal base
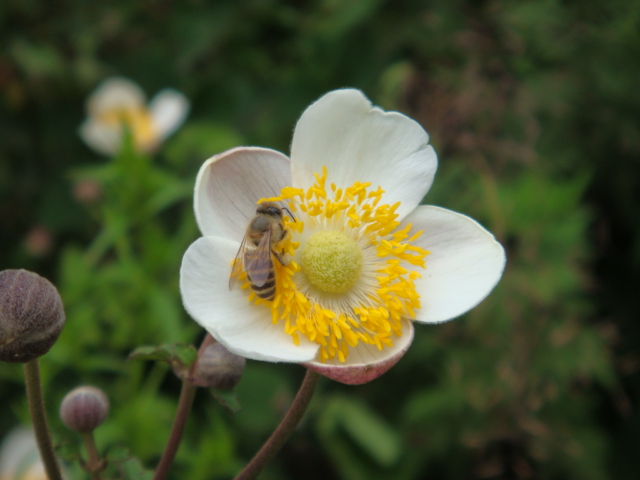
361	370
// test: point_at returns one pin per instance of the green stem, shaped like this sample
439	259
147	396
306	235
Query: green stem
39	419
187	394
282	433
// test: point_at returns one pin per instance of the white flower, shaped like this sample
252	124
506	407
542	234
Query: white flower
118	103
362	259
19	457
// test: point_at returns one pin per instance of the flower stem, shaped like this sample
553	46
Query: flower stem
94	464
39	419
187	394
282	433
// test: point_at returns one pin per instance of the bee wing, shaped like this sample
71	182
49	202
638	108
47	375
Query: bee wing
237	268
257	262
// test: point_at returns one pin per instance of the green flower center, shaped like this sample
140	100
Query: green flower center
331	261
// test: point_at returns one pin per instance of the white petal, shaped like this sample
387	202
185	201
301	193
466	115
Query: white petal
359	142
229	185
104	139
19	456
465	263
115	93
243	327
169	108
366	362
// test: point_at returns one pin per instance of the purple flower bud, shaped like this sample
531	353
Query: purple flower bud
31	315
217	367
84	409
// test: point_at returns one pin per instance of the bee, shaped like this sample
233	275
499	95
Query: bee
258	248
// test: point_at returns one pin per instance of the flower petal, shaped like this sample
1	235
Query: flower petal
242	327
366	362
465	263
358	142
104	139
169	108
229	185
19	456
115	93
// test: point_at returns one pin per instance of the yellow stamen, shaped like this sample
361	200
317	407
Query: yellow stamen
138	119
336	313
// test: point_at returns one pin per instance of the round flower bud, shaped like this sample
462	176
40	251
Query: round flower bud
84	409
217	367
31	315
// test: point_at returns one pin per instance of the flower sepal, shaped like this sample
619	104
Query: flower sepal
181	358
367	363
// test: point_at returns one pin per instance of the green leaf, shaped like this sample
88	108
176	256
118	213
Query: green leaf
227	398
68	452
179	357
118	454
343	416
128	468
132	469
371	433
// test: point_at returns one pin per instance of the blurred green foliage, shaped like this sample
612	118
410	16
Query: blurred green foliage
534	110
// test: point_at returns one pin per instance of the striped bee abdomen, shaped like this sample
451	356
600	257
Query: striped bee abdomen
267	290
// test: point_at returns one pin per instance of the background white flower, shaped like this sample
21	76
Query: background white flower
118	103
19	457
356	143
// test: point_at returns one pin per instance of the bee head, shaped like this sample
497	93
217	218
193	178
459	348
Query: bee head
268	208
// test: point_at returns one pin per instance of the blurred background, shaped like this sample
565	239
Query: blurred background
534	110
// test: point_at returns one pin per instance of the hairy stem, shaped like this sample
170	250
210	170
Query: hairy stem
39	419
94	464
187	394
282	433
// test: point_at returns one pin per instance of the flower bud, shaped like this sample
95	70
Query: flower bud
31	315
84	409
87	191
217	367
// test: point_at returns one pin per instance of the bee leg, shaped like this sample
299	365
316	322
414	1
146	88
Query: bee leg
281	258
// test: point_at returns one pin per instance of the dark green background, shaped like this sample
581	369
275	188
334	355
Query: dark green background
534	110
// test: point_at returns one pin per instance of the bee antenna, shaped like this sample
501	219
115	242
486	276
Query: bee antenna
289	212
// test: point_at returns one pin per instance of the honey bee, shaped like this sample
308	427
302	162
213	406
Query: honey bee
257	250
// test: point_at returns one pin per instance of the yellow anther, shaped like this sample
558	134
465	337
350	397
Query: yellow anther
358	221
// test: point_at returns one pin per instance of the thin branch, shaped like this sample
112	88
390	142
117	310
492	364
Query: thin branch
282	433
39	419
187	394
94	464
